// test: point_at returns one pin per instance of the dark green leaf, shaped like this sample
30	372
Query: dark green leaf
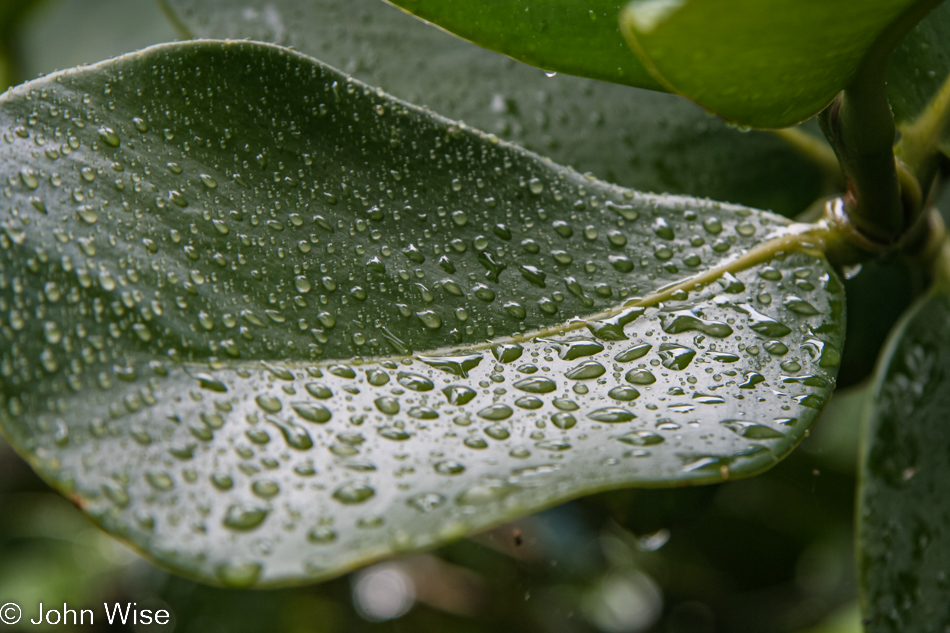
267	323
12	13
904	517
646	140
762	64
919	67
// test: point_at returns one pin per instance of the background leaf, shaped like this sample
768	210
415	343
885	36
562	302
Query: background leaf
763	64
641	139
919	67
12	13
186	269
59	33
903	513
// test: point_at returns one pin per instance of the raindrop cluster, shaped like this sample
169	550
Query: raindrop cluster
267	322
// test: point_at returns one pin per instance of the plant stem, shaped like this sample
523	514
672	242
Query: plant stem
883	199
861	129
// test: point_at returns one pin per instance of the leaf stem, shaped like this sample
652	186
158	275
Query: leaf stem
172	16
941	264
918	147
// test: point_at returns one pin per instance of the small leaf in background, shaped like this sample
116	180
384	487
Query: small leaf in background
12	13
903	515
641	139
270	334
761	64
60	33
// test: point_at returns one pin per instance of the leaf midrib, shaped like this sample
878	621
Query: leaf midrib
809	239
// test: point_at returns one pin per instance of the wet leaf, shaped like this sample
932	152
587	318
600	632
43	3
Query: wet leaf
642	139
267	323
780	63
904	520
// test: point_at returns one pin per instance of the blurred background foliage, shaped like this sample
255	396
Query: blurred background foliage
769	554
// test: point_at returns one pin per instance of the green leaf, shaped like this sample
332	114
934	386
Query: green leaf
12	13
267	323
577	38
904	518
919	67
641	139
761	64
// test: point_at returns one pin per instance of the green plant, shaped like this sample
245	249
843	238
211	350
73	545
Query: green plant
267	323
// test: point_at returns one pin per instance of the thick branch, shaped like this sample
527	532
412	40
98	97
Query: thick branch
884	199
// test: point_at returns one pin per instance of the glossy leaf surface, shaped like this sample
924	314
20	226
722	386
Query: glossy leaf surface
268	324
641	139
578	38
904	518
762	64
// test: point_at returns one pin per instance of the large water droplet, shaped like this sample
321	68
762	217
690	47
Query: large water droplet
240	516
312	412
496	412
586	370
641	438
536	384
563	420
633	353
752	430
640	377
449	467
611	414
763	324
414	382
353	493
457	365
690	320
574	348
426	502
108	136
238	574
674	356
506	352
458	394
